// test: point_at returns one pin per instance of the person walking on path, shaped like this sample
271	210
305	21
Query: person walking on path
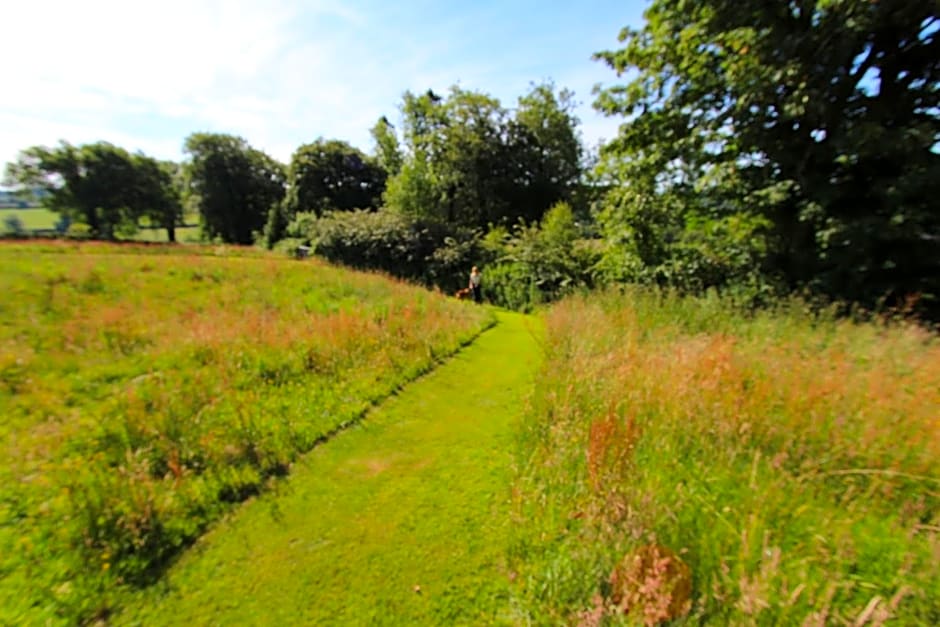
476	285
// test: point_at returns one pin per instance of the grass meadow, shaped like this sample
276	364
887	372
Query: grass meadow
403	520
145	389
684	461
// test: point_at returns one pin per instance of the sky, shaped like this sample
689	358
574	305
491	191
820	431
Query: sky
144	74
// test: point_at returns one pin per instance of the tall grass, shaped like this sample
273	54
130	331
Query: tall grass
142	394
683	459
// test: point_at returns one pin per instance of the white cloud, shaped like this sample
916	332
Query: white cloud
159	52
77	66
21	131
280	73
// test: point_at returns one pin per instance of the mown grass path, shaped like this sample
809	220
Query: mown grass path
402	519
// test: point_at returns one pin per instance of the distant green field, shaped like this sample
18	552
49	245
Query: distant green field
40	218
184	234
37	218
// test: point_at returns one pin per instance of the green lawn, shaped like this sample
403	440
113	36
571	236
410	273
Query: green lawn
37	218
184	234
42	219
403	519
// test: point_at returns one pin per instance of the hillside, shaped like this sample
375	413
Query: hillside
647	457
146	389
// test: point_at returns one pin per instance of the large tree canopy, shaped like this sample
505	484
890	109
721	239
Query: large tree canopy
100	185
158	190
453	149
331	175
818	118
233	185
543	139
467	160
327	175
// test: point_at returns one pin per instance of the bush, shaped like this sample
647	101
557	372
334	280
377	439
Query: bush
532	264
429	253
542	262
13	225
510	285
78	230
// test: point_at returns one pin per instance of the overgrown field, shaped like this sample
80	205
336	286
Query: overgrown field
685	460
144	390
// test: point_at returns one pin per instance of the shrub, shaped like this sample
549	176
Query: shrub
78	230
542	262
678	242
429	253
522	267
14	226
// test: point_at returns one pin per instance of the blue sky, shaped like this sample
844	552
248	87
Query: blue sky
280	73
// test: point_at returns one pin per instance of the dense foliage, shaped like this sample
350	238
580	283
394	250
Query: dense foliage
326	176
522	266
790	140
233	185
101	185
540	262
766	149
466	160
423	251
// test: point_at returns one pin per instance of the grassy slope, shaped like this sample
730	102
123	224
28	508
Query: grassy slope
417	495
142	394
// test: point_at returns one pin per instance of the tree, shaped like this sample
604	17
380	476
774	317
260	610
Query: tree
819	117
387	150
331	175
99	184
413	191
467	160
158	193
546	151
233	185
453	147
327	175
